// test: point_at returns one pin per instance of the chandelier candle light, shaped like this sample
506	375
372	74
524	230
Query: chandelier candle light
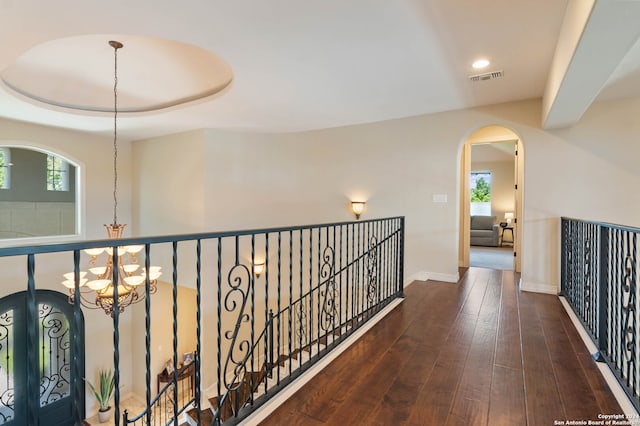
127	263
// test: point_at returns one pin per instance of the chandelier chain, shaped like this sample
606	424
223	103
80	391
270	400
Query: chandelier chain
115	136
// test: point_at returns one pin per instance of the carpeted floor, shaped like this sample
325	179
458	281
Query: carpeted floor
500	258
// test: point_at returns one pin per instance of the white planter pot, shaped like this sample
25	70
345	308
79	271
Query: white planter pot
104	416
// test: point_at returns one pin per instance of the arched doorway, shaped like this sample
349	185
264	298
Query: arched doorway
49	386
508	216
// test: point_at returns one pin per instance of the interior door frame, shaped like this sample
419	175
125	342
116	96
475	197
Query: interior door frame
464	197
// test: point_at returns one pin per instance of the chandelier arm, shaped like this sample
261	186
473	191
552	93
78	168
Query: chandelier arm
83	300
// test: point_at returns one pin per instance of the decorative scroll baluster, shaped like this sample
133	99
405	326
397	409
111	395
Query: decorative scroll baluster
629	310
235	302
372	271
328	313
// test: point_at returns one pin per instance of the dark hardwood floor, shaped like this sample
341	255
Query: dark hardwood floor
478	352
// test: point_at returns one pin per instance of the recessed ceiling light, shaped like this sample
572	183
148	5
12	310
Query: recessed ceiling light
480	63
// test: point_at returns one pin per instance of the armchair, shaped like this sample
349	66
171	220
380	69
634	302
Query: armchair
484	231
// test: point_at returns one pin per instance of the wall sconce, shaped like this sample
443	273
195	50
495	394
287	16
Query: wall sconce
508	216
358	208
258	269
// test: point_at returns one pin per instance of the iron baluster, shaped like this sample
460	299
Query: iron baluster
401	259
290	296
311	316
268	314
279	300
32	342
252	284
340	283
219	334
335	245
78	322
197	359
603	302
147	330
301	320
271	358
116	337
175	331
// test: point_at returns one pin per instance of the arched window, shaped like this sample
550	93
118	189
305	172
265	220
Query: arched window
57	174
38	194
5	171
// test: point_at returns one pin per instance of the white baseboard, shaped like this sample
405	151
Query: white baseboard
620	395
538	287
436	276
263	412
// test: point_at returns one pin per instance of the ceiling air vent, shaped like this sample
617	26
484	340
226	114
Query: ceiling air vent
487	76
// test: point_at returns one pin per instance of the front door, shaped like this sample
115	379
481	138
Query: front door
51	401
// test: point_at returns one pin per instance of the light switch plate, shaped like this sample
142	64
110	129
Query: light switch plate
439	198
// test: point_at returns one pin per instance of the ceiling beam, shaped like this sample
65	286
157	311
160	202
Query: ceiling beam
595	37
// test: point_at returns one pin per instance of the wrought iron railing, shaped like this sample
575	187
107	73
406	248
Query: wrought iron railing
600	282
256	330
336	277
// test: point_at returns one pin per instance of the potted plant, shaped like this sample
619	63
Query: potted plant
103	393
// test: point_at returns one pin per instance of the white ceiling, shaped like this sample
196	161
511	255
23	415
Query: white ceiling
301	65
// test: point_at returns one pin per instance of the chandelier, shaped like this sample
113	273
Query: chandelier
98	292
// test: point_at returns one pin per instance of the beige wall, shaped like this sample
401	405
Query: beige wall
255	180
169	184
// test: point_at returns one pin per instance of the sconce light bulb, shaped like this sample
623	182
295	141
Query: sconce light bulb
357	207
258	269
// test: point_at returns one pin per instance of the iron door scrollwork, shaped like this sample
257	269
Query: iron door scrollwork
55	355
7	381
